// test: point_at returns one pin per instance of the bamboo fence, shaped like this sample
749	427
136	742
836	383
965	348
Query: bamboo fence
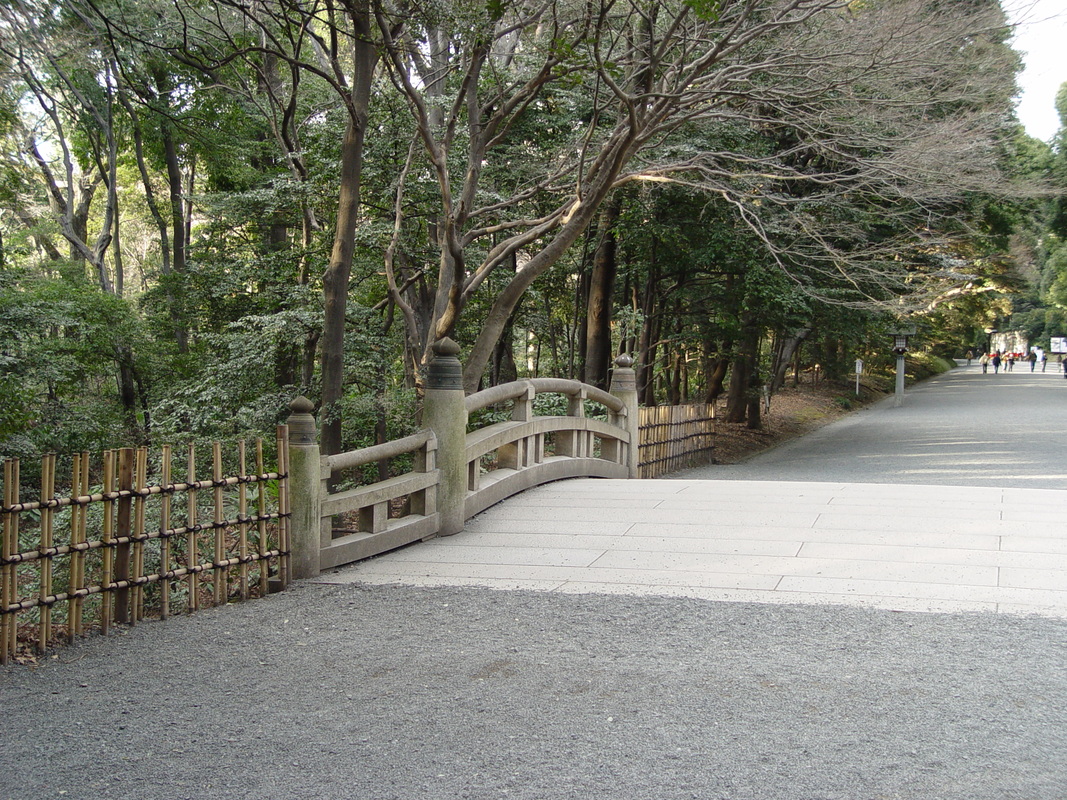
123	552
675	437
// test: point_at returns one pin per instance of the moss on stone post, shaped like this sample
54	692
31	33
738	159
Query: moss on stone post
305	482
624	387
444	413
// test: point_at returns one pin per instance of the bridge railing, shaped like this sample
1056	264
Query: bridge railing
530	450
455	473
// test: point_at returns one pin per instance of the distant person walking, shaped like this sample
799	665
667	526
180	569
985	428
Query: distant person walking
1032	358
996	362
970	356
984	361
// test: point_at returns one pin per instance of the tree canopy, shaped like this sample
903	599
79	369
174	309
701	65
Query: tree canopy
302	197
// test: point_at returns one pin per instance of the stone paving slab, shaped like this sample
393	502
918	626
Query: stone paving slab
1034	544
895	546
908	538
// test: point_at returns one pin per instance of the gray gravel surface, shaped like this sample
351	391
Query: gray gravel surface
402	692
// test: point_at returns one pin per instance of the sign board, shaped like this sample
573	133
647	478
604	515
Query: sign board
1058	344
859	366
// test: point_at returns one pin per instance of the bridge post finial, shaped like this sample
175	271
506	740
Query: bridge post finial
443	412
624	387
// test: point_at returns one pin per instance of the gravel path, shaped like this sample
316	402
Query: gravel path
399	692
402	692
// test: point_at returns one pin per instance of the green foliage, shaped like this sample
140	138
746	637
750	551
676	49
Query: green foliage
232	393
922	365
61	342
706	9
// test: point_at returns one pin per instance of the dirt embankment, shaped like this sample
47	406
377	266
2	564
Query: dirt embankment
793	412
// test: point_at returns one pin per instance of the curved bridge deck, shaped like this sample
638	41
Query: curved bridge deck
892	546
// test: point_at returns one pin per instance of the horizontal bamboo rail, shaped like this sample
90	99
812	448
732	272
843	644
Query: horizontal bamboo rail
119	553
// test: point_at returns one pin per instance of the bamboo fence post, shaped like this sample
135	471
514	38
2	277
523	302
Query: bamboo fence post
657	452
78	526
107	534
164	530
220	589
664	438
242	521
666	416
122	532
677	438
48	490
653	441
76	511
261	523
679	422
192	557
138	571
83	538
8	575
285	509
662	432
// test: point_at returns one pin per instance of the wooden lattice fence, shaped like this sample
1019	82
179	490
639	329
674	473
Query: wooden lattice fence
675	437
118	550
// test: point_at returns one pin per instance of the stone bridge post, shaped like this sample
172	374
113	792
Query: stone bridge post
305	489
443	412
624	387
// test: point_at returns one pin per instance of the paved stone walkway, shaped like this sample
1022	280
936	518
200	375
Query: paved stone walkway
902	546
914	548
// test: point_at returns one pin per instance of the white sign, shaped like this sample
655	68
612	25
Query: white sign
859	366
1058	344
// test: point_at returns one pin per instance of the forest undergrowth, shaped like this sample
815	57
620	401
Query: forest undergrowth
793	412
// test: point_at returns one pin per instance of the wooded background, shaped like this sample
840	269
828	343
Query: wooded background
208	209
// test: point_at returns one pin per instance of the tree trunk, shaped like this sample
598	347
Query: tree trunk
646	363
601	293
743	366
784	356
646	359
715	369
674	396
504	369
683	377
177	223
833	358
335	288
755	399
335	281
